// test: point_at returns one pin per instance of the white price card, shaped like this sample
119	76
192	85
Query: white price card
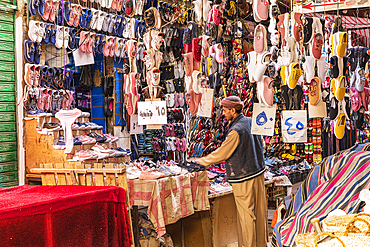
152	112
263	119
294	126
135	128
206	104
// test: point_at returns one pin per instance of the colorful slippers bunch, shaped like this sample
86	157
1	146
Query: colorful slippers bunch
339	105
257	64
49	33
195	49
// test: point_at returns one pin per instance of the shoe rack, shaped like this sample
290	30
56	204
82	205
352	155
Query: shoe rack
39	147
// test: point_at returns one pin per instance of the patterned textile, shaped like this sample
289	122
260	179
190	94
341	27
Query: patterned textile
171	198
334	184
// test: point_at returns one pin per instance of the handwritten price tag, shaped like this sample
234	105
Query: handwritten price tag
263	119
152	112
134	127
294	126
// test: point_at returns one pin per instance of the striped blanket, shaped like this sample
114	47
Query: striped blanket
335	184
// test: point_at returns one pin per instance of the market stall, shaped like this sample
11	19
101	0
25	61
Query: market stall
141	83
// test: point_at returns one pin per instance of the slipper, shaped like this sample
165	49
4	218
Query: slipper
88	18
315	91
267	94
322	68
72	38
94	18
340	126
29	50
108	104
83	40
283	25
106	22
359	79
216	14
295	74
219	53
340	41
196	44
308	27
260	39
66	11
135	81
358	117
38	53
333	109
156	39
188	63
131	48
251	64
47	10
365	98
112	23
53	10
297	95
355	99
83	16
260	10
316	45
90	42
309	67
288	51
77	14
262	63
339	87
101	19
296	24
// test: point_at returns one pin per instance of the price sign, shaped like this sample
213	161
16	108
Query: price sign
294	126
135	128
206	103
152	112
263	119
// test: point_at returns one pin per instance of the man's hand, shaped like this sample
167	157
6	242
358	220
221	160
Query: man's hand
193	160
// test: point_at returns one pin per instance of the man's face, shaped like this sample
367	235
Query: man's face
229	113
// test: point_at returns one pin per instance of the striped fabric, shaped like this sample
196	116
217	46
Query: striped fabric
333	185
362	32
171	198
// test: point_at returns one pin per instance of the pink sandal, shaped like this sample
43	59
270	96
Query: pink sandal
268	91
205	45
188	63
219	53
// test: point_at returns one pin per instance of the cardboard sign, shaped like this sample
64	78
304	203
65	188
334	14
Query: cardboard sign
206	103
83	58
294	126
135	128
263	119
152	112
319	110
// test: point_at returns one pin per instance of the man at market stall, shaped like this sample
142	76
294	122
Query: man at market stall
245	167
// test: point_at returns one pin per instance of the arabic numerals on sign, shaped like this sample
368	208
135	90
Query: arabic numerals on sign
161	110
299	125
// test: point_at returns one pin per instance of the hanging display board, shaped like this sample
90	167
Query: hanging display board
206	104
327	5
152	112
294	126
135	128
263	119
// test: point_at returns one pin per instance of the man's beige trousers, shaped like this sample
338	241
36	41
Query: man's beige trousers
250	199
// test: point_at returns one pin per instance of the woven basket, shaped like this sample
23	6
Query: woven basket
351	231
339	224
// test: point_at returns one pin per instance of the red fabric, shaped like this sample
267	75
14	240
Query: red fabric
64	216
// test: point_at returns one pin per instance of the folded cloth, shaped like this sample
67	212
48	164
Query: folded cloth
150	175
